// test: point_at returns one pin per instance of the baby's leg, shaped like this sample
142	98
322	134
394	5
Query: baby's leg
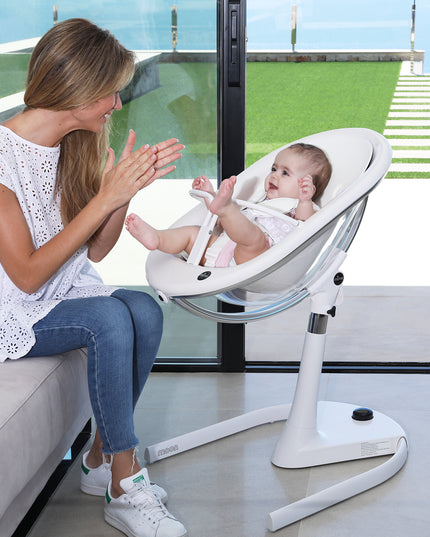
250	240
170	241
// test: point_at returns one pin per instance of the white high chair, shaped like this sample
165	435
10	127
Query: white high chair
305	263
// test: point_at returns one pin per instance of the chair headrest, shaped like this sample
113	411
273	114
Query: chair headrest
349	154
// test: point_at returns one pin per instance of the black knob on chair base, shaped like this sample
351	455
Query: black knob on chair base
362	414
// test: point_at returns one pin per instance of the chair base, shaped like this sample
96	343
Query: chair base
225	428
337	437
337	493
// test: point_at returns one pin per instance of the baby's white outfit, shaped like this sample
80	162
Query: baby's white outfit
221	252
30	170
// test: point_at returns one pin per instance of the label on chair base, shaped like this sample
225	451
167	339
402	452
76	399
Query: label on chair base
376	449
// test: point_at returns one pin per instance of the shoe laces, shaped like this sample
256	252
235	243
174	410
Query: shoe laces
143	499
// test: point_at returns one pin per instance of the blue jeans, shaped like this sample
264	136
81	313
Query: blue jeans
122	333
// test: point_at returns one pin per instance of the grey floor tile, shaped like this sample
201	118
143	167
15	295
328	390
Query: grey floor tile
383	392
228	487
394	322
228	391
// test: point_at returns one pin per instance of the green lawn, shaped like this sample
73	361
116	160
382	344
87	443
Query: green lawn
13	69
285	101
184	106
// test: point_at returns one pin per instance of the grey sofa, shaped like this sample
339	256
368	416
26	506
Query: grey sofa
44	405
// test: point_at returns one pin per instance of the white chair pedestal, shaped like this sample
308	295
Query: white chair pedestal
316	432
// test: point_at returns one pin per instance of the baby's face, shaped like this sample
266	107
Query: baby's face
282	181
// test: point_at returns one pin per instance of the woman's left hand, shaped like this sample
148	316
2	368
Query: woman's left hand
167	152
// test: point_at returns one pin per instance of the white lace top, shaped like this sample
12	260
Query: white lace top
29	171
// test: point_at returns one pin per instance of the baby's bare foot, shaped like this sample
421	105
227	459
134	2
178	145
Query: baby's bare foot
203	183
223	196
142	231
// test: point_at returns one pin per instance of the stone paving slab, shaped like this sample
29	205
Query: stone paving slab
412	97
409	68
412	153
416	113
412	100
412	142
409	86
408	123
412	78
411	94
410	106
410	167
406	132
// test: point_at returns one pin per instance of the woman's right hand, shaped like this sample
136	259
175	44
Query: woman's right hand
136	170
120	183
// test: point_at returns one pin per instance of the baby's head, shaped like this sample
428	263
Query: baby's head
316	163
294	163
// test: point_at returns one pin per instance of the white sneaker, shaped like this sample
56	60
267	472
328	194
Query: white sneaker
94	481
139	512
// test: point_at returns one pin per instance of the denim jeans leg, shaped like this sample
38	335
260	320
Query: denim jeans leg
106	327
148	327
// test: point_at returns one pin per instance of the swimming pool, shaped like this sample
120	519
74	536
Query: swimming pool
146	24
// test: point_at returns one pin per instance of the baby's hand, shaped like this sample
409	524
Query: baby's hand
306	188
203	183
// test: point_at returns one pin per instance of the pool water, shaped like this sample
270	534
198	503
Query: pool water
146	24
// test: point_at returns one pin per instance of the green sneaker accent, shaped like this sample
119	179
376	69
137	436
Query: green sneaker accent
108	498
140	479
85	469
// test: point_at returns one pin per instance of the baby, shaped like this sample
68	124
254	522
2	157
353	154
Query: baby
299	175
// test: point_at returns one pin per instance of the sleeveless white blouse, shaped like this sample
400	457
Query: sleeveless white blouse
29	170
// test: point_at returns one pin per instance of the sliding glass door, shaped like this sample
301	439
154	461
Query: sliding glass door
180	90
318	65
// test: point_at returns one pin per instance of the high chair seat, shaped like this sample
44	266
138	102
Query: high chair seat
304	264
359	158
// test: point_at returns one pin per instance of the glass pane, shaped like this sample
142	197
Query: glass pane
173	95
292	91
332	25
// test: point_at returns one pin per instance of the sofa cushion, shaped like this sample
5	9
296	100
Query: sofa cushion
42	401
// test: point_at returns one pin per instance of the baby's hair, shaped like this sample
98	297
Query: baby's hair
320	165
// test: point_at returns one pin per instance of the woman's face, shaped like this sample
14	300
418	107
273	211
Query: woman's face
93	117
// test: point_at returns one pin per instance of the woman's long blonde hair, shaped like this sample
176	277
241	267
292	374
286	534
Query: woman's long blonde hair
75	64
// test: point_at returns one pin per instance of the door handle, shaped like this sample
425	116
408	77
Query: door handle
234	44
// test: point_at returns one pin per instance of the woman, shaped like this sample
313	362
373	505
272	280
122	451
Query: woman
61	208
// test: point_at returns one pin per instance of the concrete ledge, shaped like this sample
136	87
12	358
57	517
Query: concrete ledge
359	55
334	55
25	45
146	78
